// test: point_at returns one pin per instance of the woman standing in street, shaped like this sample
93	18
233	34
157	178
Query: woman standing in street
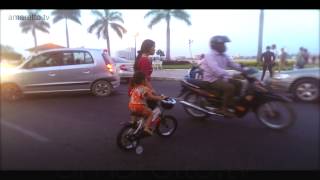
143	63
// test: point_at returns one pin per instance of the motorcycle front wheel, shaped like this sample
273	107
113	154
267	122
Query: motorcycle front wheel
275	115
167	126
124	138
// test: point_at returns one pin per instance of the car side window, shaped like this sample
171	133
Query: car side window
88	58
36	61
68	58
45	60
81	57
78	57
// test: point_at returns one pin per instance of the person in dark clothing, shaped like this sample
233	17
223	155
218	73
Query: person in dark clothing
300	59
306	56
314	58
268	60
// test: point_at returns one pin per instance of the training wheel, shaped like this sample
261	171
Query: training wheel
139	150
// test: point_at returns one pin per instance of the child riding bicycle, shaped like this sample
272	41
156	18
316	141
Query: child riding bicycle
139	94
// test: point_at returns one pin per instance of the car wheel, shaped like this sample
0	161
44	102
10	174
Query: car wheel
11	92
101	88
306	90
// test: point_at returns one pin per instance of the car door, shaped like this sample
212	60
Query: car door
77	70
41	73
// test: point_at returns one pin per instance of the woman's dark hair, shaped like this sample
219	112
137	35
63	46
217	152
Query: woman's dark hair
138	78
145	48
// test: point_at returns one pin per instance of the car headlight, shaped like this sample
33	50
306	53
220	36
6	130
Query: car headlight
6	72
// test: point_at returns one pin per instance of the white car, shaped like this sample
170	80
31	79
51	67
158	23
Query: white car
124	68
61	70
304	84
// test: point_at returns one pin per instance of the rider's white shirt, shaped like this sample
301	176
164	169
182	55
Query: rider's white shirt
215	65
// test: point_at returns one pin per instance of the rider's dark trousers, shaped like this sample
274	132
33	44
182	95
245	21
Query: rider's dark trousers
228	90
265	66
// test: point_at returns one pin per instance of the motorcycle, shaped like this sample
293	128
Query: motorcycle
200	102
130	134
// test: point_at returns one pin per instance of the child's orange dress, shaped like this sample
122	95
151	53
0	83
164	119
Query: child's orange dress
138	102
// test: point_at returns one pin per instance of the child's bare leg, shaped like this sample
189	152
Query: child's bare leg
133	119
148	121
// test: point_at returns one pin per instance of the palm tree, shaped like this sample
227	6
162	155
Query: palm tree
158	15
73	15
102	25
33	25
261	19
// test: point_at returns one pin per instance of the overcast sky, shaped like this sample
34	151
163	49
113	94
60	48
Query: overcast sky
286	28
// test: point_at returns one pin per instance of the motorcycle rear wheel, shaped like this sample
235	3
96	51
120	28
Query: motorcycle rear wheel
194	99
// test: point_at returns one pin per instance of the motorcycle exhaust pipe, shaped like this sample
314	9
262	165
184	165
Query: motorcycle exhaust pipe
185	103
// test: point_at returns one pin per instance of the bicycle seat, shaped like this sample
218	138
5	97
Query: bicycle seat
137	114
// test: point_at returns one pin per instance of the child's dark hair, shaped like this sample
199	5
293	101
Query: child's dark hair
138	78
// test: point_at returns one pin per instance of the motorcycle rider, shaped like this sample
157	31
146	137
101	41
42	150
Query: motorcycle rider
214	66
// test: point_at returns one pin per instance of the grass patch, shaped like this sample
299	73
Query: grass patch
182	66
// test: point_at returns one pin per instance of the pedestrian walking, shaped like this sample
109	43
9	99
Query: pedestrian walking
283	59
300	61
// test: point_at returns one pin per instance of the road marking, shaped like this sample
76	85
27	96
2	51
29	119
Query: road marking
25	131
122	92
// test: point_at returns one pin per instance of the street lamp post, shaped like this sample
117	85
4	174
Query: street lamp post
135	45
190	42
260	39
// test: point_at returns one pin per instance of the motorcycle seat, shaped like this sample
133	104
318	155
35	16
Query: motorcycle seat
202	85
198	83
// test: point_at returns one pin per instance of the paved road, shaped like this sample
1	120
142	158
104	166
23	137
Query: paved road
77	132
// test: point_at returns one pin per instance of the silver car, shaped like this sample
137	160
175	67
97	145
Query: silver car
124	68
304	84
61	70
